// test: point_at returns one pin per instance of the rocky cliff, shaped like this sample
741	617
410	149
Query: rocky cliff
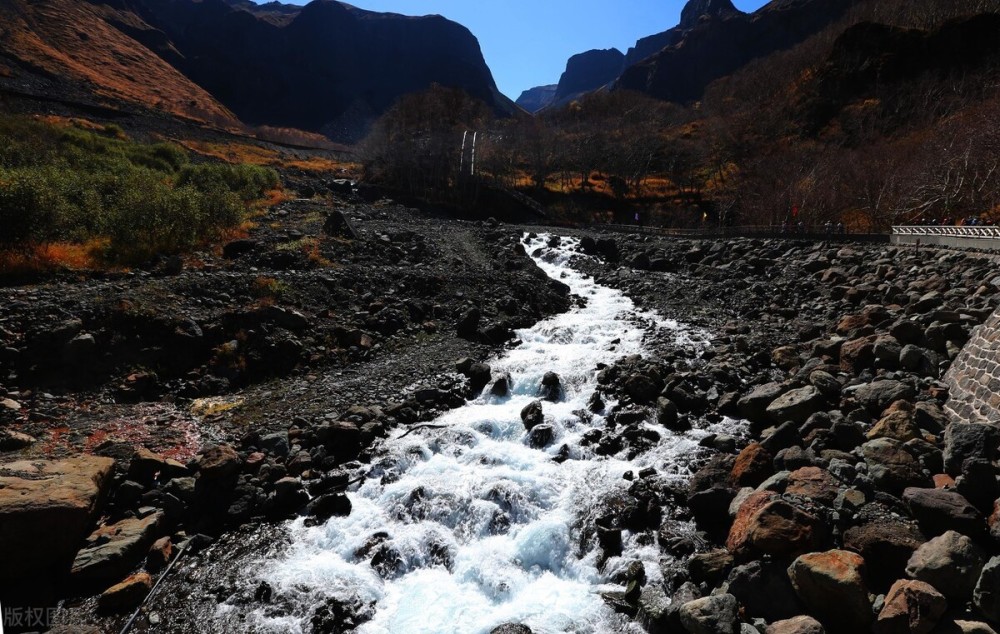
712	48
326	67
538	98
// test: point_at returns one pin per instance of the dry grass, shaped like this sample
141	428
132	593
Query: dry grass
232	152
57	256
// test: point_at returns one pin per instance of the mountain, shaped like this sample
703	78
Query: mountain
587	72
693	13
714	48
538	98
326	67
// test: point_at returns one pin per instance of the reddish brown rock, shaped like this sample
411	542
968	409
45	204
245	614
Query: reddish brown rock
831	585
218	463
127	594
813	483
46	508
798	625
887	545
774	527
911	607
897	425
754	465
857	355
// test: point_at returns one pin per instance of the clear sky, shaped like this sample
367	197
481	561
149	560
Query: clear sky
527	42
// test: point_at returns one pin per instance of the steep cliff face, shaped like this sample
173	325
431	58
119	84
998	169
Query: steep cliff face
714	48
326	67
536	99
588	71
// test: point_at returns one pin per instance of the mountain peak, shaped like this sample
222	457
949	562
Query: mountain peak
695	10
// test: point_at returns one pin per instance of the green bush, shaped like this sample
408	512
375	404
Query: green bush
247	181
70	183
33	209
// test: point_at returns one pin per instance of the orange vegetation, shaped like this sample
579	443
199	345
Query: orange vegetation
76	40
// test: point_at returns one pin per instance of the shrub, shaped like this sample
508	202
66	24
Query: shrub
32	207
247	181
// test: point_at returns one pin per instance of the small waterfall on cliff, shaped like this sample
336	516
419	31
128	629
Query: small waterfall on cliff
465	527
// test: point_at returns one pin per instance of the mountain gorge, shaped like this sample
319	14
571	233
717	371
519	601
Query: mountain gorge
326	67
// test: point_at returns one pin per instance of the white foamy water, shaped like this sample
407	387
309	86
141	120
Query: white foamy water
479	528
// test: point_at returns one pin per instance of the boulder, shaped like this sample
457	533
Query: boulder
532	415
896	425
857	355
113	550
126	595
886	543
963	626
218	463
878	395
551	389
753	406
796	405
986	595
892	467
146	465
716	614
951	563
796	625
753	465
940	510
764	591
641	388
832	588
770	525
910	607
969	441
46	508
813	483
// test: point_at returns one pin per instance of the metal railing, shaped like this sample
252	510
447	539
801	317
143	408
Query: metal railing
791	232
954	232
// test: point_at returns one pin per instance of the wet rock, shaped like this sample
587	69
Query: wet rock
764	591
831	585
532	415
911	607
796	625
796	405
551	387
666	415
951	563
938	511
511	628
501	387
541	436
641	388
324	507
986	595
717	614
114	549
45	509
126	595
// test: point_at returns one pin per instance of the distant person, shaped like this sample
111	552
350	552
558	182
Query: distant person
841	229
638	219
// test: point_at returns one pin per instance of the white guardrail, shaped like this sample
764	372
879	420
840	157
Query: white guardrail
953	232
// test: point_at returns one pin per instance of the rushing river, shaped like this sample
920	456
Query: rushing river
470	525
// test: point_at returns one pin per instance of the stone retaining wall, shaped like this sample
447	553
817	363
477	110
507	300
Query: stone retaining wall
974	377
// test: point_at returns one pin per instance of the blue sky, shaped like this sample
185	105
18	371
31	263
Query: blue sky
527	42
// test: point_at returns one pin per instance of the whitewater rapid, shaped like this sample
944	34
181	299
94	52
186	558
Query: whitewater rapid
472	526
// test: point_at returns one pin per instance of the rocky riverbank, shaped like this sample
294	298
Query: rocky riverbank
163	409
143	409
857	504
